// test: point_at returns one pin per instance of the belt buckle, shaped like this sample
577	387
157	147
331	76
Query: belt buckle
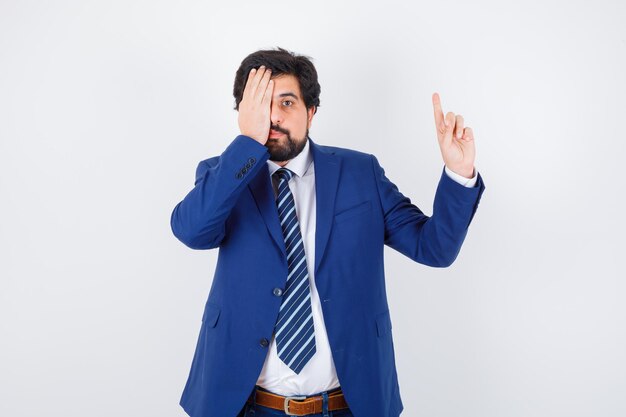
287	399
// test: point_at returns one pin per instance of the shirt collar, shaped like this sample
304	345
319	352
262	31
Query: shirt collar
298	165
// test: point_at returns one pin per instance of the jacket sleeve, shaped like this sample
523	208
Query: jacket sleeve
199	219
435	240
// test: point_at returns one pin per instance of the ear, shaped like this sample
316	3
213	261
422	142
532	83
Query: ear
310	114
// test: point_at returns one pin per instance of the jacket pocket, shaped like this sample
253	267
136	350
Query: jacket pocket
211	314
353	211
383	323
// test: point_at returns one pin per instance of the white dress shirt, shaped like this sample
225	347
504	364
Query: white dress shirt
319	373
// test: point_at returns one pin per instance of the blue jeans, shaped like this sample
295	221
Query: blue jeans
255	410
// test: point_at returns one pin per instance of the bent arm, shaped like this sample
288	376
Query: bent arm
199	219
435	240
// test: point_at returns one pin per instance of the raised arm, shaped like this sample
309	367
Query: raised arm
435	240
199	219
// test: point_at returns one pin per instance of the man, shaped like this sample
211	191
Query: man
297	307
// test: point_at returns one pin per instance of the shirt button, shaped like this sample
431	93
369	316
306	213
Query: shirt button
264	342
278	292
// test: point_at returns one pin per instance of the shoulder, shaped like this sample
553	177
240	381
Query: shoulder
351	159
347	155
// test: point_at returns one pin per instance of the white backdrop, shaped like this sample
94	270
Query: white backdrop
106	107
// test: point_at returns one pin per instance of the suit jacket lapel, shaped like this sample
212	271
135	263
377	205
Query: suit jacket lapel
327	167
261	188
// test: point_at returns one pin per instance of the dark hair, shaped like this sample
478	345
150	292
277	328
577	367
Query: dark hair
281	61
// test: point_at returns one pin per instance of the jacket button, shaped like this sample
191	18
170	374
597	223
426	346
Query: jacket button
264	342
278	292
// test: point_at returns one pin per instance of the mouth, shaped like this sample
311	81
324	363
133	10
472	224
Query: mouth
275	134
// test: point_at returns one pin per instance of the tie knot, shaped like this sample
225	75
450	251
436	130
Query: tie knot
284	174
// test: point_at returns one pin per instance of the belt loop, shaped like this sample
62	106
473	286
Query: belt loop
325	404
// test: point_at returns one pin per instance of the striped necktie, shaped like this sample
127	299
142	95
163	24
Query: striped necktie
295	337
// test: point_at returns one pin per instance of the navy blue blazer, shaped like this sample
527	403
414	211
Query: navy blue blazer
359	211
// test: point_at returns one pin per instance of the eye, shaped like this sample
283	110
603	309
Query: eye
287	103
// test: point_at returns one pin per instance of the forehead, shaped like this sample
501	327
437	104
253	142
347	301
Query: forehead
286	83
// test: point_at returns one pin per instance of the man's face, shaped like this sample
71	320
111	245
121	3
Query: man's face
290	120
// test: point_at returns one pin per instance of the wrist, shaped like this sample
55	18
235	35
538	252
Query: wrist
463	171
254	136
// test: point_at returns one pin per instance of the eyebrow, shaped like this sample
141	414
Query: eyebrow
288	95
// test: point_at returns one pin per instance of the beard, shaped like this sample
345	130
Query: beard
280	152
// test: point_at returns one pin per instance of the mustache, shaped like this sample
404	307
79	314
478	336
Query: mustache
279	129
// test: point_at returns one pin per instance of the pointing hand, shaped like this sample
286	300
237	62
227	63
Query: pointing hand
455	141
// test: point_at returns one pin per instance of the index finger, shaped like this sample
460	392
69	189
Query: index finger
437	110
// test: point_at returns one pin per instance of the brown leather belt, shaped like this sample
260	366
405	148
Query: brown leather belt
299	406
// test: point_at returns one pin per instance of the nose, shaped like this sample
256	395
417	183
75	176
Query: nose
276	114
